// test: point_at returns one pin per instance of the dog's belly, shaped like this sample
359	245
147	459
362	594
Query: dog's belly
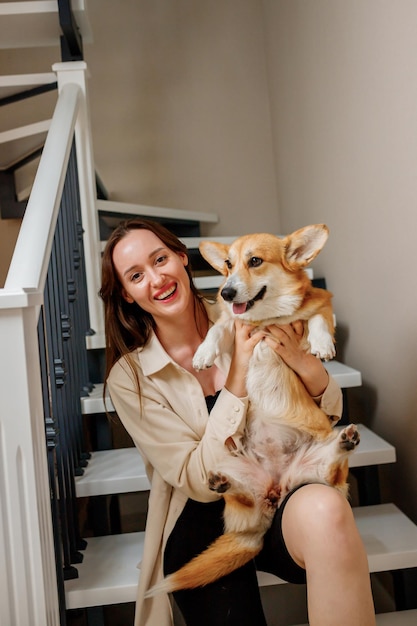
274	444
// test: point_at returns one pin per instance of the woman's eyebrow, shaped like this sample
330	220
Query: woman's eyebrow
155	252
150	255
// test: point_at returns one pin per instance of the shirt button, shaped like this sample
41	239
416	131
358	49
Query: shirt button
236	409
233	421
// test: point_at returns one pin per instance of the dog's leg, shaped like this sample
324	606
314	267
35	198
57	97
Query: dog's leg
219	339
338	471
320	338
322	461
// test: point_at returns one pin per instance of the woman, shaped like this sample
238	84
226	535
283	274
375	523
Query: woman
182	422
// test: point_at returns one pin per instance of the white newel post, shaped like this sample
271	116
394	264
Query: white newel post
76	73
28	585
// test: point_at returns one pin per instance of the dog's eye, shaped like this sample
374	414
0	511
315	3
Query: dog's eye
228	264
255	261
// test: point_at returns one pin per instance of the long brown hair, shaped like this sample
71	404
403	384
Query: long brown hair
127	325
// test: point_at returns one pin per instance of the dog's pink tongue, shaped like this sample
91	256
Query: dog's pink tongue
239	307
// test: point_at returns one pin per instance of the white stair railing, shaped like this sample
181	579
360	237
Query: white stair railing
28	591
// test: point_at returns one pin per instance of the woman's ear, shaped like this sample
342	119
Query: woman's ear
184	258
127	297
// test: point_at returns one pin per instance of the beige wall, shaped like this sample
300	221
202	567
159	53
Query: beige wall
9	230
344	98
180	108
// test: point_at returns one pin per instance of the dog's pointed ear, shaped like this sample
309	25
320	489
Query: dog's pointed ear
302	246
216	254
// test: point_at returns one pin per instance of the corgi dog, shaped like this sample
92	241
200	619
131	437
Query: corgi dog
289	440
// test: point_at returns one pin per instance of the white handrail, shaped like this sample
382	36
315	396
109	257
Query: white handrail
30	260
30	595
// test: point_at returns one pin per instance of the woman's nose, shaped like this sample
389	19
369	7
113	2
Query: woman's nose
156	277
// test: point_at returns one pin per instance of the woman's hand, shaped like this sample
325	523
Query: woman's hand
246	338
286	341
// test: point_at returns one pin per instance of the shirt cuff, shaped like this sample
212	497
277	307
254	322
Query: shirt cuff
331	400
228	417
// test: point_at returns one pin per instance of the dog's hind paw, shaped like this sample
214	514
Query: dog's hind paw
349	438
218	482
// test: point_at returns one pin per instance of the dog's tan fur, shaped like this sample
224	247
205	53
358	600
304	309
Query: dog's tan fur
289	440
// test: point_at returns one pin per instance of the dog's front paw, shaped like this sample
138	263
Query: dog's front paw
218	482
323	348
320	338
204	357
349	438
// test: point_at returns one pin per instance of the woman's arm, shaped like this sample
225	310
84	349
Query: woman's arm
285	340
246	338
171	426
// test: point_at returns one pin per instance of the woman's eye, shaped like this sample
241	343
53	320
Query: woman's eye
136	277
161	259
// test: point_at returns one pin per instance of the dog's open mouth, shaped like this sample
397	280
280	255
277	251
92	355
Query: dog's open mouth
242	307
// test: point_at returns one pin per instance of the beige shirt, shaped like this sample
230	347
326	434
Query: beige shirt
180	443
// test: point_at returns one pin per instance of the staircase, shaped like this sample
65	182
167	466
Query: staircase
108	574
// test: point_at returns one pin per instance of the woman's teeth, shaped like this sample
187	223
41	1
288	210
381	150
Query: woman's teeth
166	293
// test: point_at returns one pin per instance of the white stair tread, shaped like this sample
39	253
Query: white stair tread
344	375
372	450
109	574
212	281
396	618
94	403
12	84
192	243
36	23
112	471
390	537
123	470
110	206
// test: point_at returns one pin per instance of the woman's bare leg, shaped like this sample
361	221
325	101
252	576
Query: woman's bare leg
321	535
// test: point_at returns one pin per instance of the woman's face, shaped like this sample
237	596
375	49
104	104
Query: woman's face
151	274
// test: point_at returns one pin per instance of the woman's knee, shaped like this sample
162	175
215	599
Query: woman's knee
317	519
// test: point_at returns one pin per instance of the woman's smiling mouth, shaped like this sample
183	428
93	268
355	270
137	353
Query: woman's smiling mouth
167	293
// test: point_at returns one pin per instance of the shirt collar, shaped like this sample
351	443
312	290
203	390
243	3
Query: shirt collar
154	358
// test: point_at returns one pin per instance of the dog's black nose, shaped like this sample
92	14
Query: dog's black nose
228	294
